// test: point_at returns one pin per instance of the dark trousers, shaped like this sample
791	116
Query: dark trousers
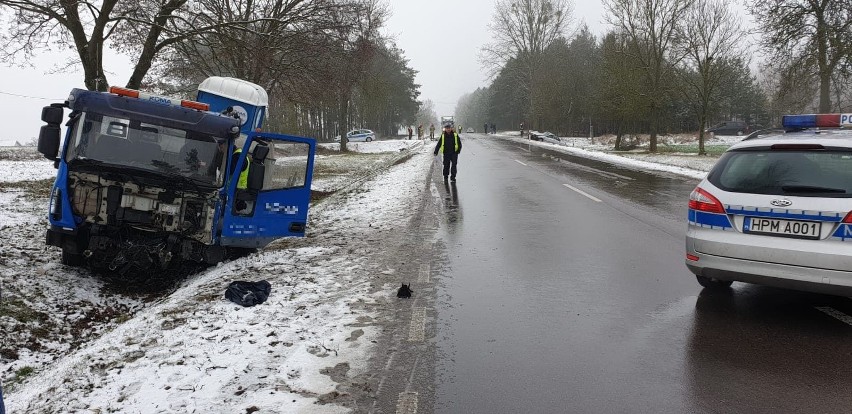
450	162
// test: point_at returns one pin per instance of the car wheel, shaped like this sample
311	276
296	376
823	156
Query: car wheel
711	283
369	139
71	259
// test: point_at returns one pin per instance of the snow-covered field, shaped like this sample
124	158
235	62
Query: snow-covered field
669	159
73	342
79	346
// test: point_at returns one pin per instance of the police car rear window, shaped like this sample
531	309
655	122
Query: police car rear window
795	173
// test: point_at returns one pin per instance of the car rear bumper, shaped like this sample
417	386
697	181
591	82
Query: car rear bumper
810	279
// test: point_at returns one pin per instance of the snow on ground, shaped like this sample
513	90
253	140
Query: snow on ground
91	349
681	163
192	351
24	164
372	147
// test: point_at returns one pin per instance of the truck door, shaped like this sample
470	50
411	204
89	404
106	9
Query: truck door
275	202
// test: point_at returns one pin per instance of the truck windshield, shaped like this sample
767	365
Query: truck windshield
157	148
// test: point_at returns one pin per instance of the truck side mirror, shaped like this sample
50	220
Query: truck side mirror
260	153
52	114
255	177
50	134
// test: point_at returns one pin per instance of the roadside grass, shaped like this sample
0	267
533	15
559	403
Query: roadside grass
21	374
34	189
692	148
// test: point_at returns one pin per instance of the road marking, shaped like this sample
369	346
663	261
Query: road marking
407	403
424	276
520	163
416	331
583	193
835	314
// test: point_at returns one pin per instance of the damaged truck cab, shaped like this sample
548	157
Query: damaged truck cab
147	183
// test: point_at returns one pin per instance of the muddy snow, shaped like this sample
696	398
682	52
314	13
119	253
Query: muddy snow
72	342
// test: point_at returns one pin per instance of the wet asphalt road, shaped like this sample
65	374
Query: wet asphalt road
561	288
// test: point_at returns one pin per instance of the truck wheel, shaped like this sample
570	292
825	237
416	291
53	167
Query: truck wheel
714	284
71	259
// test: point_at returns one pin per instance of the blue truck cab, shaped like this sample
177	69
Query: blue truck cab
149	183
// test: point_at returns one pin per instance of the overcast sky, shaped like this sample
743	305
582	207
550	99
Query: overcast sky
441	38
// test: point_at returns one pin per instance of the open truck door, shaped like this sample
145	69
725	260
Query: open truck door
275	200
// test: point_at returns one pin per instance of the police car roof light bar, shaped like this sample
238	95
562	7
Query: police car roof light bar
816	121
132	93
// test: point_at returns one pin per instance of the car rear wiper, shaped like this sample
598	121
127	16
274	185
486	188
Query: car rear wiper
811	189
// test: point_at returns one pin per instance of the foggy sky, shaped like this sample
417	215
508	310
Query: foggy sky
441	38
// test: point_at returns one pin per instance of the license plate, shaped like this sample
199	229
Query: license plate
784	228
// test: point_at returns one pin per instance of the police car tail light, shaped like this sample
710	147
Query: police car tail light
703	201
816	120
848	218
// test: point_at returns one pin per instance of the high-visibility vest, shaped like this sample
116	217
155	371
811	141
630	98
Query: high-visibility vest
242	183
456	136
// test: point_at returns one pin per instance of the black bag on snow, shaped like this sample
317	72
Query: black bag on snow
248	293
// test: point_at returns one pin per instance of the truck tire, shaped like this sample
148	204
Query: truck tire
71	259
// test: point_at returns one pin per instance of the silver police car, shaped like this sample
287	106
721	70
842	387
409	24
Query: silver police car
776	209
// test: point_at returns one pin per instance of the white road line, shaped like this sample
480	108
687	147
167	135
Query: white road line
520	163
416	331
407	403
424	276
583	193
836	314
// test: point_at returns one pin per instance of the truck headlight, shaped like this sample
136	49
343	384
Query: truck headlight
56	205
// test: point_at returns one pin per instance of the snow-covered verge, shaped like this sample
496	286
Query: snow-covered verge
190	350
671	158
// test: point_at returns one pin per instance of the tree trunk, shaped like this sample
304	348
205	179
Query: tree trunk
652	143
343	122
824	91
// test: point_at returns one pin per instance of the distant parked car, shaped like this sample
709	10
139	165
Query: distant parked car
469	130
545	137
551	138
356	135
733	128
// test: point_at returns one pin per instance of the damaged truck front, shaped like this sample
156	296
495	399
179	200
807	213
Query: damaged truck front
149	183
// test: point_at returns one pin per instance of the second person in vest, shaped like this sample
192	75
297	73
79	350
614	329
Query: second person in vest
450	145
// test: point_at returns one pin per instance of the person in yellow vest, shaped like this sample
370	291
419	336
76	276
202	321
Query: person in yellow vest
242	181
450	145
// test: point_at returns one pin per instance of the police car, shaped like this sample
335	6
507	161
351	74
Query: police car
356	135
776	209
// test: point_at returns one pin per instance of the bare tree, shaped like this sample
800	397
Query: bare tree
141	28
523	30
709	36
811	34
651	29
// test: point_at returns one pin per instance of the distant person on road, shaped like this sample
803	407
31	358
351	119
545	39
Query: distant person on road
494	129
410	131
450	145
431	132
485	128
420	131
522	129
